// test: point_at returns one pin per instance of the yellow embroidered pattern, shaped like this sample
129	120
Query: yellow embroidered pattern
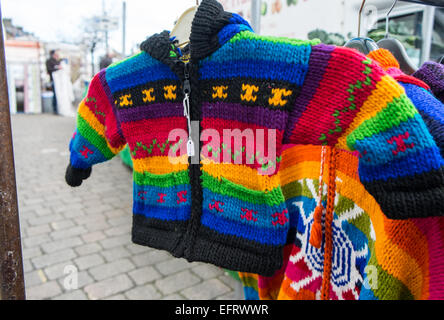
249	91
277	99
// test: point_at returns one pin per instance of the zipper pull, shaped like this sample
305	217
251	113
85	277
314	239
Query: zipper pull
190	147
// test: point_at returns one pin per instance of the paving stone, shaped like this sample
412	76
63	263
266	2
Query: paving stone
30	242
146	292
34	278
116	253
61	244
71	232
177	282
89	261
207	271
60	225
173	266
174	296
45	219
83	280
53	258
151	257
136	249
108	287
27	265
43	291
56	271
93	236
117	297
119	230
29	253
37	230
88	249
144	275
111	269
115	241
206	290
73	295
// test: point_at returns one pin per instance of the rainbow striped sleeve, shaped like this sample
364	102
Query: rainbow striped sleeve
98	136
350	102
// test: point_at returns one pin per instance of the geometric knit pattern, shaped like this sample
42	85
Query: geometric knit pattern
233	214
429	107
373	257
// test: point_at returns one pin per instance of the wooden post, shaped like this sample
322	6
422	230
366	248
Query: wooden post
12	285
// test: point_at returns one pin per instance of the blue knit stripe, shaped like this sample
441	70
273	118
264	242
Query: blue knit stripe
425	101
294	211
162	213
155	73
77	159
133	64
429	159
229	31
281	52
379	150
268	236
154	196
255	69
232	210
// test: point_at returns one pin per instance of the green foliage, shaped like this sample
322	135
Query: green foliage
326	37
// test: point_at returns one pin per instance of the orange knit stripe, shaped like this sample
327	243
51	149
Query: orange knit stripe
328	248
161	164
242	175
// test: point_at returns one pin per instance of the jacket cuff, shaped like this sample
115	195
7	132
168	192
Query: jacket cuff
75	176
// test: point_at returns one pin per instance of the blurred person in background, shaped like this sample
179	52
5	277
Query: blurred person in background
53	64
106	60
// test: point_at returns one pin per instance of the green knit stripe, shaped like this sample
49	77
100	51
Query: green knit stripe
161	180
125	60
248	35
228	188
399	110
299	188
93	137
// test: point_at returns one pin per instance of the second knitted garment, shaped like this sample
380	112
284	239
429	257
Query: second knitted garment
432	73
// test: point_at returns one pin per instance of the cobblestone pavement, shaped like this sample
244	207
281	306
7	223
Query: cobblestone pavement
89	228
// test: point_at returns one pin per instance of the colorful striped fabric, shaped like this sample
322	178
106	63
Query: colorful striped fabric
250	95
372	257
429	107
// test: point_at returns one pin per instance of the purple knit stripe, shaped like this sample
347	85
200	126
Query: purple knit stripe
264	117
153	111
319	58
107	90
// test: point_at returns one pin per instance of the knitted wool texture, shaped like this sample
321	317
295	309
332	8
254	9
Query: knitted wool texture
430	108
234	215
432	73
372	257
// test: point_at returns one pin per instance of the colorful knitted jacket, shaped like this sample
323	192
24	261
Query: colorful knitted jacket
430	108
363	254
227	208
432	73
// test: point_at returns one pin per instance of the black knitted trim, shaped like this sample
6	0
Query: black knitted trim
75	176
158	234
209	19
418	196
236	258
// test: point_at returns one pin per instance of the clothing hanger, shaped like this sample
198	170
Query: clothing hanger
396	48
364	45
182	29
